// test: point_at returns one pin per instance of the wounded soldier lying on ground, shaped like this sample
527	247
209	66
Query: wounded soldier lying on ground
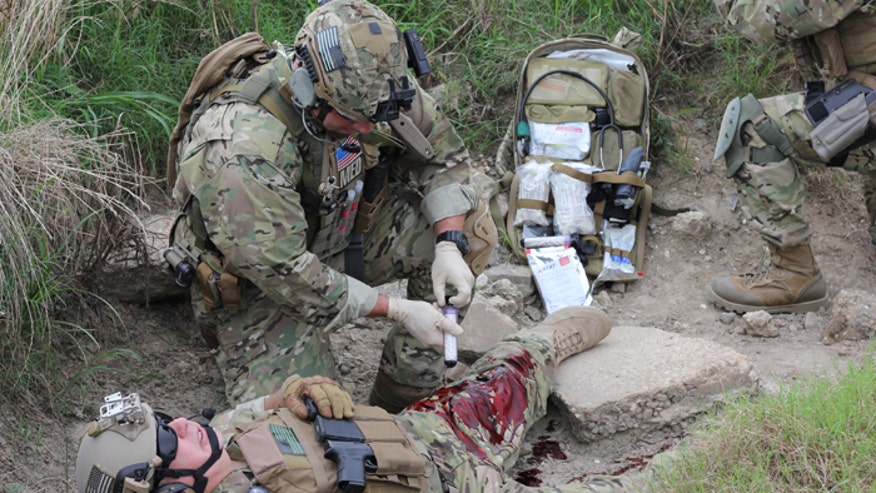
307	436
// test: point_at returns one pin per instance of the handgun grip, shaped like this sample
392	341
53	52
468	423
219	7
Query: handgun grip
312	410
351	462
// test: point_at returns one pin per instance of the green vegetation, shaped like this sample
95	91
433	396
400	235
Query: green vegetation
127	63
93	96
818	435
67	196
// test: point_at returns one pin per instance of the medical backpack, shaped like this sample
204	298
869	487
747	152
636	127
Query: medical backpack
577	151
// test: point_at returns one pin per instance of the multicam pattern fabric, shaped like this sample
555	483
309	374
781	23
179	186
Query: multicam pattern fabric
348	58
766	21
772	193
245	169
474	427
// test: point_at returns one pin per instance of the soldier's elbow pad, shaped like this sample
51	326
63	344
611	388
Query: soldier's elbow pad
482	236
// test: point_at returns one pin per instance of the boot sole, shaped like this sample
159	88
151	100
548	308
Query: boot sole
802	307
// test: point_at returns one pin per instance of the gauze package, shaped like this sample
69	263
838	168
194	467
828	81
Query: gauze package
571	212
559	276
618	241
533	184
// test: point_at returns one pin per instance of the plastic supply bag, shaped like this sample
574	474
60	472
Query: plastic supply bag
618	243
570	140
572	215
534	185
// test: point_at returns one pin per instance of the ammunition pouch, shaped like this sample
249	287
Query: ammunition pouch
371	201
847	47
219	289
285	454
189	246
368	212
822	50
858	35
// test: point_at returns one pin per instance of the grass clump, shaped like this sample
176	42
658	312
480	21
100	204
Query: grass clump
66	200
814	436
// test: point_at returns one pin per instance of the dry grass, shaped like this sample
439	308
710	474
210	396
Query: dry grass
66	200
28	33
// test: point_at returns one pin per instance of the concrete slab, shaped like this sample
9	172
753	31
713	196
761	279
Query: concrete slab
647	378
484	324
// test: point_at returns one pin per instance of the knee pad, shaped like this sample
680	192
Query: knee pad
740	112
482	236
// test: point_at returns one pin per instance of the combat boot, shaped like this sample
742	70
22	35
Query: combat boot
793	284
393	396
573	329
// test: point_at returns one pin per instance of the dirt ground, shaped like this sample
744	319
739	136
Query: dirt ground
175	370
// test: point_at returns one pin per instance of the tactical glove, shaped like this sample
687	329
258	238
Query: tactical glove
331	400
422	320
449	268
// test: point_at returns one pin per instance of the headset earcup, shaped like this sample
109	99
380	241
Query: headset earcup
303	92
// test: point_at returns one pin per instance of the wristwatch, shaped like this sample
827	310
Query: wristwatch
457	237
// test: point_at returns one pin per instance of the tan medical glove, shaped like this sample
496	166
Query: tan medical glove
331	400
425	322
449	268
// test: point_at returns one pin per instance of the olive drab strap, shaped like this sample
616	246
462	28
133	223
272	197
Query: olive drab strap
211	70
609	178
219	281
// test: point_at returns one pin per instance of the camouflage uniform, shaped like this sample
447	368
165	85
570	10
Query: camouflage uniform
771	191
473	428
763	142
248	172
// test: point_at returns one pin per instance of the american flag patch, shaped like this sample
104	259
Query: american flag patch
99	481
345	158
330	49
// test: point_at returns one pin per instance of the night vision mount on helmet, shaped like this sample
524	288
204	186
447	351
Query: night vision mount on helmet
354	58
129	449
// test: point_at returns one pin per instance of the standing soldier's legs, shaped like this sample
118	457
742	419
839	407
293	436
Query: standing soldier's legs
261	345
758	140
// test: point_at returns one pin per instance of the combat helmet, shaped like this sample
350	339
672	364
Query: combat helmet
129	448
355	56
